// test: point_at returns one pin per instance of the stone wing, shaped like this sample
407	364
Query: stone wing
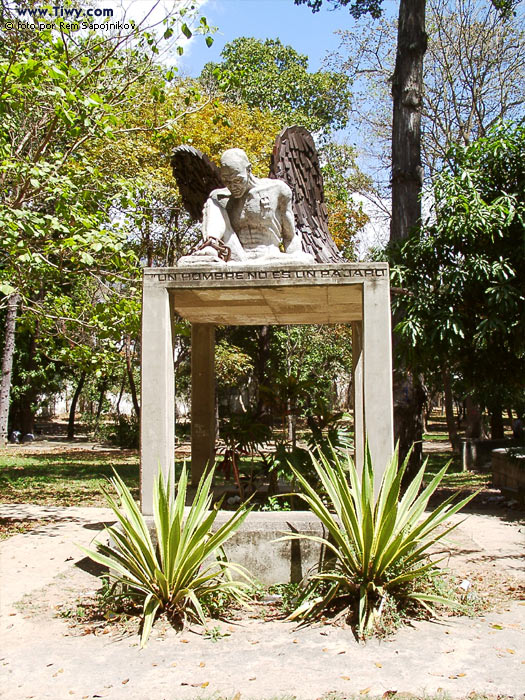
295	160
196	177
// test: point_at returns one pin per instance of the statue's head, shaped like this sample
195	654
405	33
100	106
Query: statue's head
236	171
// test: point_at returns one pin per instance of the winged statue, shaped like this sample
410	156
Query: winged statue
278	219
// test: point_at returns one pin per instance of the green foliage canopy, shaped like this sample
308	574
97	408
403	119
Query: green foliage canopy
65	241
268	75
464	274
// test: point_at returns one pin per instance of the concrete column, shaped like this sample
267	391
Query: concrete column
357	381
157	431
377	373
202	398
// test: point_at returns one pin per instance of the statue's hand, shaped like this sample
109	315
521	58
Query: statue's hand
206	252
213	248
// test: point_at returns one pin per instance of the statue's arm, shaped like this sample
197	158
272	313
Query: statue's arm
216	223
291	240
215	219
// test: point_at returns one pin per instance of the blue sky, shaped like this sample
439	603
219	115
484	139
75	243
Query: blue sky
308	33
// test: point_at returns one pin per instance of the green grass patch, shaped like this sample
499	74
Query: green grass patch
63	479
73	478
455	476
436	437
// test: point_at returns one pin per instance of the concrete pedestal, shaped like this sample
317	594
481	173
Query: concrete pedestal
357	385
240	294
157	428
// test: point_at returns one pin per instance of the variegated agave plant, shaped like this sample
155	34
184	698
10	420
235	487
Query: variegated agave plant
186	562
375	546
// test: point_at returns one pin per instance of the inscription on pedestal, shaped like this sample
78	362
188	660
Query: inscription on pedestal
247	275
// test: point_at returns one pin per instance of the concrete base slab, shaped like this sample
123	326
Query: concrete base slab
254	546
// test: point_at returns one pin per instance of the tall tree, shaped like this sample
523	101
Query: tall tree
475	68
407	174
407	184
473	71
7	363
407	99
406	180
465	307
60	89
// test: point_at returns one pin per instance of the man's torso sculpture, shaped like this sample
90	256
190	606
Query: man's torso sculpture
251	216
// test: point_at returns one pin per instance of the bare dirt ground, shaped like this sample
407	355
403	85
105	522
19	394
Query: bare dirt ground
46	655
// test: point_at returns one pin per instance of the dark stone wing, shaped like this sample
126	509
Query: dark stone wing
295	160
196	177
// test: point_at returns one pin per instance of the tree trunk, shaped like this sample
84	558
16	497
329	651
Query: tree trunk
462	413
73	407
100	404
427	413
409	398
497	431
407	94
121	393
131	379
26	414
407	176
26	401
263	359
449	410
291	400
7	365
474	428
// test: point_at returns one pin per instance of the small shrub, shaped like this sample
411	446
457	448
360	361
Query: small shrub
128	432
185	567
215	634
376	549
123	431
289	593
274	504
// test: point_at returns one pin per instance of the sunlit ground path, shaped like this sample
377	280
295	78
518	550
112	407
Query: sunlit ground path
49	652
